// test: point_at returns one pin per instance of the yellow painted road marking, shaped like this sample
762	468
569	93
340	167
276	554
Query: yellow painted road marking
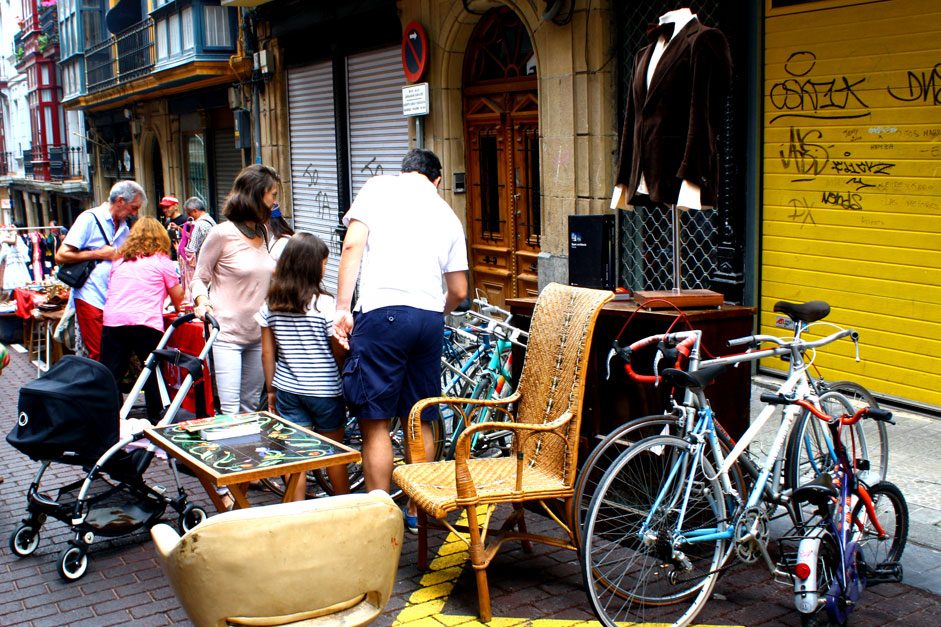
425	605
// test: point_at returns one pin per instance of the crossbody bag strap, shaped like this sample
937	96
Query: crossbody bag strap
100	228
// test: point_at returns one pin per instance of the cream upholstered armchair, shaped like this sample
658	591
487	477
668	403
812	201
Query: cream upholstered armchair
328	561
545	440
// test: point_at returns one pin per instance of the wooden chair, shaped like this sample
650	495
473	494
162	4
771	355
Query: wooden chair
545	440
329	561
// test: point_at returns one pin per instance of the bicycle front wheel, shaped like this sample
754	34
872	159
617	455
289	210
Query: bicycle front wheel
634	565
872	439
811	448
892	514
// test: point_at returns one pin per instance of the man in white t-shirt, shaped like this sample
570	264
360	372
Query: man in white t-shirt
413	255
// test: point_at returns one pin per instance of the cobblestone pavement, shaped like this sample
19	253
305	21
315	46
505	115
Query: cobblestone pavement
124	583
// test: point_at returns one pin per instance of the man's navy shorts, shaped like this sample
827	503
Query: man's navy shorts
394	362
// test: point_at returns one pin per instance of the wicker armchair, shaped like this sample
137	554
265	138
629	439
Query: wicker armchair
545	440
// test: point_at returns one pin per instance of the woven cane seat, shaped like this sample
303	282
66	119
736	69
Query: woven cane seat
432	485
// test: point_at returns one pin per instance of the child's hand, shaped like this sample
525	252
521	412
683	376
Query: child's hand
273	402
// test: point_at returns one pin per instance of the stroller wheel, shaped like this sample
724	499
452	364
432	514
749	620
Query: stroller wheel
73	562
24	540
190	518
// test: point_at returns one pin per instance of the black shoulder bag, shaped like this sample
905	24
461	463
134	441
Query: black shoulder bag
75	274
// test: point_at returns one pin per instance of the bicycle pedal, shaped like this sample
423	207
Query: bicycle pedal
888	572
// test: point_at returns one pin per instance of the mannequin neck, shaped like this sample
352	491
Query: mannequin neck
679	17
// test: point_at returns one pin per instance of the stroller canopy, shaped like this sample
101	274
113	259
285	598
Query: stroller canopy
73	410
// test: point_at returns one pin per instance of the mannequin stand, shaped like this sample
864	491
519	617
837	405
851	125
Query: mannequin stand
678	297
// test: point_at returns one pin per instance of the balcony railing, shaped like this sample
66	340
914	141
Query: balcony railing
6	164
28	163
127	56
55	163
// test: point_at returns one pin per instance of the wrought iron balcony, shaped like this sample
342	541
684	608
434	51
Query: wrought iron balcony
55	163
28	163
6	164
127	56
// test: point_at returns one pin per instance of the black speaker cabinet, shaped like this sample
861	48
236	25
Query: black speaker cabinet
591	251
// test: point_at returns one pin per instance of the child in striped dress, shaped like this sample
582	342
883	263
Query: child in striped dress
301	358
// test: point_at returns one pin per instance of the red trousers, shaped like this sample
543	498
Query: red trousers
89	318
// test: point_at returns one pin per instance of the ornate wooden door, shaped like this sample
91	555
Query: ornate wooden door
501	116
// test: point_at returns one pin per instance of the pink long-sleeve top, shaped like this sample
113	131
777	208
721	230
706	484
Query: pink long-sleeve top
235	276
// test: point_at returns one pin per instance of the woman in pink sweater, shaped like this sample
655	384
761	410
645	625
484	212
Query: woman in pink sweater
141	279
231	282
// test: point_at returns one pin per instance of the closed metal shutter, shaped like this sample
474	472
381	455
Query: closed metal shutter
228	165
378	130
851	209
313	158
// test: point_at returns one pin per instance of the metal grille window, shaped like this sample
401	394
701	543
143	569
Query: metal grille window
646	233
532	222
490	188
196	179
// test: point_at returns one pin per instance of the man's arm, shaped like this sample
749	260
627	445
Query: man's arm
457	289
70	254
352	255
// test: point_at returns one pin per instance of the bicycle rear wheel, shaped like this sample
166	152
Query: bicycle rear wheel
604	455
632	565
892	513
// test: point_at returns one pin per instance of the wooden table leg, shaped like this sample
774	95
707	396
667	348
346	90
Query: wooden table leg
213	494
292	486
240	493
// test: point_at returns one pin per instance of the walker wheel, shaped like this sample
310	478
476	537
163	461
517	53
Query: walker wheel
73	562
190	518
24	540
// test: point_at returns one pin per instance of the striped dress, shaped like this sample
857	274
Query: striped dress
305	363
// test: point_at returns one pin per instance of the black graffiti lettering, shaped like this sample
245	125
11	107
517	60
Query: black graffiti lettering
860	184
800	63
926	87
312	174
863	167
850	201
806	157
801	210
373	170
810	95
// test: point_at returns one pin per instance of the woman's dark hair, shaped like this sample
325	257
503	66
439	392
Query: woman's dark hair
422	161
298	277
246	200
279	227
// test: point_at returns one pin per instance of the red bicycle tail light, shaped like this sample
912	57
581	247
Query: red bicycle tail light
802	571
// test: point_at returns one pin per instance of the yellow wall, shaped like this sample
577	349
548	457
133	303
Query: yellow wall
852	184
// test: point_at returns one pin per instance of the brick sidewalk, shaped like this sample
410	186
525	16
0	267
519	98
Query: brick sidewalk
124	583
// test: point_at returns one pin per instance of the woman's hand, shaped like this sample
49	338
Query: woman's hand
202	309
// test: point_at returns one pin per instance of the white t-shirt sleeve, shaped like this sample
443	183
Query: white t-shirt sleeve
327	309
367	201
262	316
457	254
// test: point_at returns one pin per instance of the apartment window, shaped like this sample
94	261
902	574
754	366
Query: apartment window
217	27
173	30
92	22
160	30
187	16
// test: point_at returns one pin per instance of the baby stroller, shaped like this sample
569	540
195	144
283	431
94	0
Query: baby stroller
73	415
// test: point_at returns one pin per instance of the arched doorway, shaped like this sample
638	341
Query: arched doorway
501	127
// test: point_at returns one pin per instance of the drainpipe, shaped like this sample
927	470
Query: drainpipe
251	45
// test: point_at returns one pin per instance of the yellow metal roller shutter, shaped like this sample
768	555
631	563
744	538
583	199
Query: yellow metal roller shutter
852	183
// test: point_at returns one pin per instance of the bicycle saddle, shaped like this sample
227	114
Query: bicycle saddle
818	492
807	312
696	380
